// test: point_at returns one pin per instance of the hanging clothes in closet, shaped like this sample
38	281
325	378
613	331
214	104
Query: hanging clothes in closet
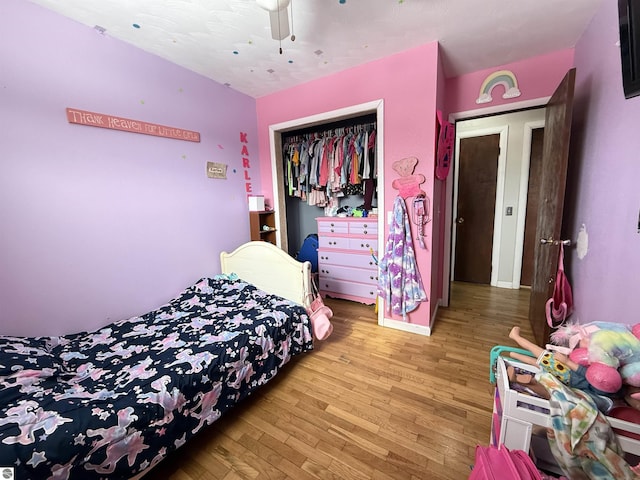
322	166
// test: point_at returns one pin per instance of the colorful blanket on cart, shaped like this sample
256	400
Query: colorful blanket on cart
581	439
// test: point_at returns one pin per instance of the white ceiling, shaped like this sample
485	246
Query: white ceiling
230	41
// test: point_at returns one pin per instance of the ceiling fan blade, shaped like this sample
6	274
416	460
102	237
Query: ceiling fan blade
279	24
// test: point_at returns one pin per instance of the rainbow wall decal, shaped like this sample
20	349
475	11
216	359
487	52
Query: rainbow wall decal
505	78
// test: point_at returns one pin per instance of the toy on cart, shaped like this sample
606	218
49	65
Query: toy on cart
496	352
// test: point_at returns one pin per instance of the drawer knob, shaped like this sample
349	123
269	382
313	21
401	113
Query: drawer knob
332	230
365	232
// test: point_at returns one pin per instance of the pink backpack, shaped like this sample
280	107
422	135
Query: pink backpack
493	463
560	305
444	153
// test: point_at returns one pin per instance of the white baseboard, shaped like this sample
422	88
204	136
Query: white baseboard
405	326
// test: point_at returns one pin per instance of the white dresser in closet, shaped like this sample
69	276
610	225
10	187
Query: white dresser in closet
346	266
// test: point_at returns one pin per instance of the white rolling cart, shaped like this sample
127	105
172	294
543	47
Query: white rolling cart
517	415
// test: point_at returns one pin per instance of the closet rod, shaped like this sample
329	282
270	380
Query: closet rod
368	119
297	138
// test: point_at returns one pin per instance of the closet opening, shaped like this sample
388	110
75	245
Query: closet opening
300	207
329	171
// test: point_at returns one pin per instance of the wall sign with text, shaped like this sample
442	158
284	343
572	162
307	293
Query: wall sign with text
102	120
217	170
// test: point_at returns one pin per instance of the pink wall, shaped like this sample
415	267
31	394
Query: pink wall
407	82
537	78
438	211
603	190
99	225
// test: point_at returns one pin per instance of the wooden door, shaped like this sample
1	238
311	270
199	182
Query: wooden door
533	194
477	179
555	157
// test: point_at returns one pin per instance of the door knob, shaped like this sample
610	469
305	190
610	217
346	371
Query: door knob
551	241
460	220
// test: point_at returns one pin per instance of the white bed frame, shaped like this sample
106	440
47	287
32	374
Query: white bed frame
270	269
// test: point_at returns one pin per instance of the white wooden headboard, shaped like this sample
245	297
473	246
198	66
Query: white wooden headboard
270	269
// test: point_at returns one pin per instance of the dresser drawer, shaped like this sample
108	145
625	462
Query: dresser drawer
333	242
362	244
358	275
328	226
363	228
345	287
327	257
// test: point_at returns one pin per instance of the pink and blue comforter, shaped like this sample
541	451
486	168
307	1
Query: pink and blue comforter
114	402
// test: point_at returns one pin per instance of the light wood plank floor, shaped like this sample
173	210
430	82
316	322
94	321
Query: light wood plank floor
369	403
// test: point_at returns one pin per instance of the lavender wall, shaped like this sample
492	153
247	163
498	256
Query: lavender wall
603	192
98	224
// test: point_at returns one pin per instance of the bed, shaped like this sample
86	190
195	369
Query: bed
520	419
115	401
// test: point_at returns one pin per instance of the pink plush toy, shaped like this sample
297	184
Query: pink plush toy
609	351
407	184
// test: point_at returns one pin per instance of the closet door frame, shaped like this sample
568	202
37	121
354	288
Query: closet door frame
275	144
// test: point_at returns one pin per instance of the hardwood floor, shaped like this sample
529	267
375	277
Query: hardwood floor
368	403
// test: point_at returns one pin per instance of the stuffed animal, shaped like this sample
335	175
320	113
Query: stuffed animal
598	381
610	351
407	184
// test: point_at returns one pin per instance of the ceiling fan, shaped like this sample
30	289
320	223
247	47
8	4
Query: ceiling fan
279	17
